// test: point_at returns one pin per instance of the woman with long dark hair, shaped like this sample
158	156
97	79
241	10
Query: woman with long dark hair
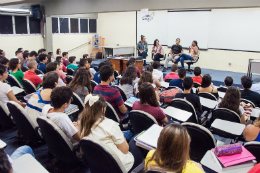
231	101
81	84
207	86
128	81
58	52
157	50
176	157
50	57
148	103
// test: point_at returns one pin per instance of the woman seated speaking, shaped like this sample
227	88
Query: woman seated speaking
193	52
142	48
157	51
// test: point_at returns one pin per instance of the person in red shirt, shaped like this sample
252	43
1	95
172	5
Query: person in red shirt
198	76
65	58
173	74
30	74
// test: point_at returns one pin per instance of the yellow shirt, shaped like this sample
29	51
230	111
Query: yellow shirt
190	167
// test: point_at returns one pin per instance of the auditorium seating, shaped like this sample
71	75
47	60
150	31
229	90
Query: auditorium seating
122	92
37	71
254	148
247	101
28	86
13	81
207	96
70	71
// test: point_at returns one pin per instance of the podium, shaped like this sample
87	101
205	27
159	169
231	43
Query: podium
119	63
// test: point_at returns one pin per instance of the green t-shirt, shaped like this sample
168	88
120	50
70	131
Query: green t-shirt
72	66
18	75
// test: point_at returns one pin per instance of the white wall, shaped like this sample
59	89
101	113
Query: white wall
10	43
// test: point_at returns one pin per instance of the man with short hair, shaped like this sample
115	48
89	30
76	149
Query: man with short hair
4	61
20	49
30	74
43	51
39	53
112	95
228	81
83	63
53	66
85	56
173	74
25	57
90	62
72	61
252	96
41	66
198	76
175	52
19	55
32	55
156	73
97	77
65	58
2	53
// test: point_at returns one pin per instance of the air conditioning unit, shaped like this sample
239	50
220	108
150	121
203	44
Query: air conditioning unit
18	12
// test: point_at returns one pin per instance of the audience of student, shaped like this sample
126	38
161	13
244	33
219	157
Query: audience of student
42	97
176	157
32	55
41	66
72	61
148	103
20	49
4	61
40	51
156	73
228	82
232	101
178	82
60	100
53	66
97	77
156	82
6	92
252	131
25	57
14	66
83	63
59	58
131	61
65	58
252	96
94	125
81	84
2	53
90	62
198	76
30	74
85	56
18	55
186	94
50	57
112	95
207	86
61	73
128	81
58	52
173	74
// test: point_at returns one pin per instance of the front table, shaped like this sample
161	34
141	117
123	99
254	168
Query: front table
119	63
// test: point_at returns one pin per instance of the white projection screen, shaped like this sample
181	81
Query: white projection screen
189	26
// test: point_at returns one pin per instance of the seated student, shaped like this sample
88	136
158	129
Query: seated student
97	77
156	73
247	93
60	100
252	131
14	66
232	101
131	61
53	66
228	82
128	81
207	86
25	57
6	92
178	82
4	61
65	58
156	82
59	58
173	74
42	97
30	74
61	73
186	94
41	66
40	51
32	55
148	103
6	160
50	57
2	53
112	95
83	63
72	64
198	76
81	84
85	56
18	55
90	62
176	157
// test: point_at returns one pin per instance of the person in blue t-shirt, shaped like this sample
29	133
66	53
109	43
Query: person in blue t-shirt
97	77
41	66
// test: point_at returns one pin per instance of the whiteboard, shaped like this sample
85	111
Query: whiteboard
155	29
189	26
236	30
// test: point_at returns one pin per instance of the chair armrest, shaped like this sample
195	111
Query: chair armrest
123	123
139	168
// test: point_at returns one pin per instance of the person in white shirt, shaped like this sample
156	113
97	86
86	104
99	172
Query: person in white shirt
53	66
60	100
156	73
6	92
256	87
19	55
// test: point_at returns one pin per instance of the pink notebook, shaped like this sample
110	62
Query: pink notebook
237	158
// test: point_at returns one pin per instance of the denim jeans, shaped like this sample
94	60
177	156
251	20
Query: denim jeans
144	55
22	151
157	57
184	57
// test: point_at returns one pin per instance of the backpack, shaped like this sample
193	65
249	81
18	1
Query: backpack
168	95
99	55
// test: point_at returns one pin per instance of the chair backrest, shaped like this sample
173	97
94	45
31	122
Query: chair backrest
111	113
24	69
154	171
247	101
70	71
225	114
173	87
207	96
29	87
187	106
254	148
23	122
58	143
222	89
141	121
196	84
68	79
5	118
93	84
77	101
202	140
13	81
37	71
168	80
122	92
99	157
